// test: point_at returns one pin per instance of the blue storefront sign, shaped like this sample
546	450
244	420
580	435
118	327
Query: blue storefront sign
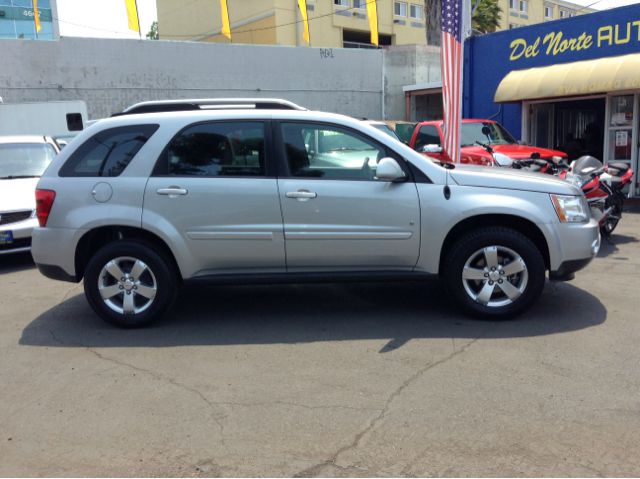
489	58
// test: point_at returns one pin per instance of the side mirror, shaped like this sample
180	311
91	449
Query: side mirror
431	149
389	170
486	131
502	160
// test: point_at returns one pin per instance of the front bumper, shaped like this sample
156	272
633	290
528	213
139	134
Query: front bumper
578	245
21	236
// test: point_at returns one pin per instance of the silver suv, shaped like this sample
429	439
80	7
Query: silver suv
264	190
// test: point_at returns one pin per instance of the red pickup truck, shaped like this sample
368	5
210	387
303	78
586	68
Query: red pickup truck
431	133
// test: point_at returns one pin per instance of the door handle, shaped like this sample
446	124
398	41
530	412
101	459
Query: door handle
301	195
172	191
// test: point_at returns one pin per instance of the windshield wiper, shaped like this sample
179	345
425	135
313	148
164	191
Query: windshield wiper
17	177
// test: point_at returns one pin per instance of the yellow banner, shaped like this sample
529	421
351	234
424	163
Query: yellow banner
305	20
372	13
132	15
226	26
36	15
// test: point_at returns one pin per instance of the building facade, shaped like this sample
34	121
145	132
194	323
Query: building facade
17	20
332	23
571	84
521	13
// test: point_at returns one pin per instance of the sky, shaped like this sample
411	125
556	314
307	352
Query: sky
108	18
604	4
102	18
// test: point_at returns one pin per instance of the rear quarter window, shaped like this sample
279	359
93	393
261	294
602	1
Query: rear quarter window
108	152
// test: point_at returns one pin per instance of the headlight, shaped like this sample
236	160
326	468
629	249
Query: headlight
571	209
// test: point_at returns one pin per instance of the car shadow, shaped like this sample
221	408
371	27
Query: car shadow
609	246
270	314
12	263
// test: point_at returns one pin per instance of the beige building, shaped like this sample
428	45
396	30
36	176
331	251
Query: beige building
520	13
332	23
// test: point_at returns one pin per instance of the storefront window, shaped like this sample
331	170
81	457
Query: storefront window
622	110
620	128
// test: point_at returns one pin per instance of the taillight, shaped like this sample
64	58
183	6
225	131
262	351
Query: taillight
44	202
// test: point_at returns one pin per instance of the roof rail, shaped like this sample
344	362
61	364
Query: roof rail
158	106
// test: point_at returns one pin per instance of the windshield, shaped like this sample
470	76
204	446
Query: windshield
471	133
386	129
19	160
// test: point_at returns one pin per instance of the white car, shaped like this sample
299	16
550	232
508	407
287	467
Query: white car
23	159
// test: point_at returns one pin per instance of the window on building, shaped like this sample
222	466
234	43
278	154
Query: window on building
513	25
524	6
566	13
416	11
400	9
342	3
513	4
359	4
548	11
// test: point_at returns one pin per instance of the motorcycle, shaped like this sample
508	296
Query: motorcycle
602	185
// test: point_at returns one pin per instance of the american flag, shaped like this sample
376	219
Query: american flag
451	64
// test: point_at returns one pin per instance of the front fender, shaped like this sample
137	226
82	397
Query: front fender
440	216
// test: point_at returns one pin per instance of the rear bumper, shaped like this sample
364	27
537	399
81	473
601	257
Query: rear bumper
55	272
53	251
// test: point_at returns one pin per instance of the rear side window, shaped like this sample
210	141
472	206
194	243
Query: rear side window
428	135
109	152
230	148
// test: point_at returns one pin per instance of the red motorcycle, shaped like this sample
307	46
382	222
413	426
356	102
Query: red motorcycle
602	186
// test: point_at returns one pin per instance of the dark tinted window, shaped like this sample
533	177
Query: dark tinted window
216	149
109	152
428	135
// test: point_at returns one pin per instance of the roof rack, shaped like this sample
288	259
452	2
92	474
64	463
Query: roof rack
209	104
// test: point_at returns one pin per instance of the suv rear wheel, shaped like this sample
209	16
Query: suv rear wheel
494	272
129	284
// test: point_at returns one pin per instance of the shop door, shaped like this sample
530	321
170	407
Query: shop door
541	133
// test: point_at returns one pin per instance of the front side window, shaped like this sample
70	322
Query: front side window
109	152
215	149
400	9
20	160
428	135
416	11
327	151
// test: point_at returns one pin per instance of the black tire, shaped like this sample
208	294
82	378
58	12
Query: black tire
612	221
157	279
512	249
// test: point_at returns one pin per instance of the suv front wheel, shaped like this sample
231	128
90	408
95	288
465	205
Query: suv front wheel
494	272
129	284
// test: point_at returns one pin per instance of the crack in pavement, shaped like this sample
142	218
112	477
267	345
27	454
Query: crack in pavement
316	469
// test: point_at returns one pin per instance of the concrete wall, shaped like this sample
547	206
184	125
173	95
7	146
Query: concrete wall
407	65
112	74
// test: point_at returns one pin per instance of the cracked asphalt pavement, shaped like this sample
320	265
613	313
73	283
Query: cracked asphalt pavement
325	380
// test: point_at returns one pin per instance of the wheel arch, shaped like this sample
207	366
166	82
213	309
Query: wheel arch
96	238
516	223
